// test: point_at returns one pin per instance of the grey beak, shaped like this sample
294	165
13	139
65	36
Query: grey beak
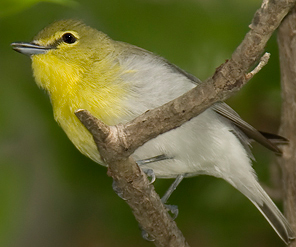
29	48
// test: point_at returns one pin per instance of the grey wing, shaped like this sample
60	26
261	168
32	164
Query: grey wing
193	79
224	110
267	140
227	112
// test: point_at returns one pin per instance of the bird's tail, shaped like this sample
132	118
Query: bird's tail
275	218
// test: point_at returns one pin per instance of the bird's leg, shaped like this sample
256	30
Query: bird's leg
164	199
173	186
149	172
173	208
152	159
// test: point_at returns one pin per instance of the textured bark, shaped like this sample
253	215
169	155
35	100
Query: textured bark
287	52
132	185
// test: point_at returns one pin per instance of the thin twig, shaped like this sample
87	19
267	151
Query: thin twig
263	61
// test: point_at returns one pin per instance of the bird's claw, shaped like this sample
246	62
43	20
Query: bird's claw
150	173
146	236
173	209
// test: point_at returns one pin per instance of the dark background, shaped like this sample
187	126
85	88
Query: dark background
51	195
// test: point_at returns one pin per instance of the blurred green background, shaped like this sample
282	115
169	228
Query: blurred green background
51	195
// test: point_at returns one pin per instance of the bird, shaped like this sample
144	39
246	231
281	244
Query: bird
83	68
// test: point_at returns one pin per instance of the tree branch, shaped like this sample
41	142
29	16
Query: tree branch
117	143
132	185
287	52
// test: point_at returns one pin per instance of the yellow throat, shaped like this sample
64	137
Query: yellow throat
76	78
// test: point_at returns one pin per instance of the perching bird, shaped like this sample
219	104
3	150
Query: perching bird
82	68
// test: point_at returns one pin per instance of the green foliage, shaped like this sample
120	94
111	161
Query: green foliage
11	7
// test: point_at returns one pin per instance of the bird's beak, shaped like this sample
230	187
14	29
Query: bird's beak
29	48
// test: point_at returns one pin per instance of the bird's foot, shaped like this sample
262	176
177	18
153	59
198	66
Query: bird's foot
173	210
150	173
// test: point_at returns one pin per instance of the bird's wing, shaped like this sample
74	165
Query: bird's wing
266	139
262	138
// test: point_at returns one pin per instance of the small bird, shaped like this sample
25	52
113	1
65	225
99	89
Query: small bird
82	68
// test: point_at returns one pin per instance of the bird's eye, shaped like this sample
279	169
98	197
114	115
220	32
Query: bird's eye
69	38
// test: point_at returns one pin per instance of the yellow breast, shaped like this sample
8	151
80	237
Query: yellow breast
96	89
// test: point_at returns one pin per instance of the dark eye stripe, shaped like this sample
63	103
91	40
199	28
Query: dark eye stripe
64	39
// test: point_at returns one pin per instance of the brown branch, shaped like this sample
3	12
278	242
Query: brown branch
287	52
118	142
132	185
